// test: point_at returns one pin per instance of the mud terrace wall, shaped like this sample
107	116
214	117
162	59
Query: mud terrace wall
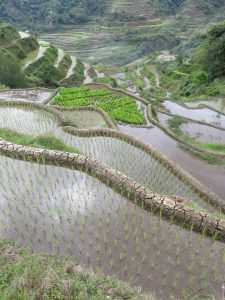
170	208
203	191
170	133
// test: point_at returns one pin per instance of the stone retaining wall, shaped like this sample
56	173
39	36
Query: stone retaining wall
170	208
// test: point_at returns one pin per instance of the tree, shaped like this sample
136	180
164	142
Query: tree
10	71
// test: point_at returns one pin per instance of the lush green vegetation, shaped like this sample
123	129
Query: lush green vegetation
7	33
50	14
203	74
10	71
42	71
77	78
42	141
174	125
28	275
21	47
121	109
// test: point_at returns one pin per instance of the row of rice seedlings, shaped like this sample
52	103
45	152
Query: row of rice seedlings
86	119
67	212
133	162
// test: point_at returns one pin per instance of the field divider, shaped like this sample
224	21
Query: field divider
173	209
206	194
175	137
109	121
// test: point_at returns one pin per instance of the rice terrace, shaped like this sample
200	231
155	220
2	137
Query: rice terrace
112	151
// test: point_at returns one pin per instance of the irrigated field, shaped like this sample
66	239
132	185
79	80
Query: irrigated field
75	215
73	212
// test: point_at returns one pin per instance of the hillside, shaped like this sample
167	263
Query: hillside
203	75
27	62
53	14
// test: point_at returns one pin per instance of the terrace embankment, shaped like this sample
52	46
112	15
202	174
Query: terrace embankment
175	208
124	142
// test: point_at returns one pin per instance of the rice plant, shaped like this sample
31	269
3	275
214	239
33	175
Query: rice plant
130	160
66	212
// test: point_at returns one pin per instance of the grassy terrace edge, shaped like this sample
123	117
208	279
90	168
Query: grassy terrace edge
192	146
26	274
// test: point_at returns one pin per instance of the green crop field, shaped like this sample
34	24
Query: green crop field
121	109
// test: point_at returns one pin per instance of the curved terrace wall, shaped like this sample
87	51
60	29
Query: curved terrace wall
104	115
170	133
170	208
204	192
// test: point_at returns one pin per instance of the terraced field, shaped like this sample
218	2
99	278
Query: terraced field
107	206
141	9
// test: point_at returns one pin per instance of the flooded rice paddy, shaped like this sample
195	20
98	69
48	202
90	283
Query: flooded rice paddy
203	133
213	176
75	215
217	104
202	114
86	119
163	118
133	162
33	95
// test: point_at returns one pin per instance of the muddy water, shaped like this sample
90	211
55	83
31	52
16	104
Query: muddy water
203	133
218	104
212	176
75	215
164	118
205	114
133	162
34	95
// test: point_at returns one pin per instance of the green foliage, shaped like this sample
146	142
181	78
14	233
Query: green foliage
77	78
38	16
43	70
199	77
122	109
7	33
211	53
26	275
42	141
10	72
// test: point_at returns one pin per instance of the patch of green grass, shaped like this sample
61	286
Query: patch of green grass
42	141
210	159
28	275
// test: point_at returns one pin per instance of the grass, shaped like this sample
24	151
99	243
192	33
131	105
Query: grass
174	125
203	156
42	141
26	275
